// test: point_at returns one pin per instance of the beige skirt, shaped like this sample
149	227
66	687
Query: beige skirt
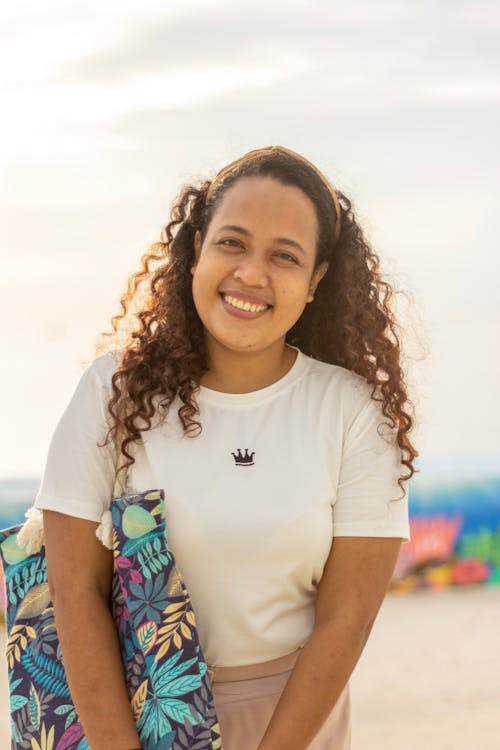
245	706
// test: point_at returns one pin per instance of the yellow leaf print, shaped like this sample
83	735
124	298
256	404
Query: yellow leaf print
173	607
185	631
35	601
162	650
30	631
147	634
46	740
139	700
216	742
177	640
191	618
153	495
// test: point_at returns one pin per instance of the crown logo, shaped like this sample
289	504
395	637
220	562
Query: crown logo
243	460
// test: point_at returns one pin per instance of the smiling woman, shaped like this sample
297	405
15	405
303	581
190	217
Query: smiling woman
254	374
262	269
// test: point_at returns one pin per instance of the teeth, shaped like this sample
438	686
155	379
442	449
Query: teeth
247	306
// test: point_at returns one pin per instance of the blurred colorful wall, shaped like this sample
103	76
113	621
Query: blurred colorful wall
455	534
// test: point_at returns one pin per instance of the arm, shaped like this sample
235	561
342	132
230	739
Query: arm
353	585
79	572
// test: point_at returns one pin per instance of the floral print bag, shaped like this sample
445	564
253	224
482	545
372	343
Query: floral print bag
165	671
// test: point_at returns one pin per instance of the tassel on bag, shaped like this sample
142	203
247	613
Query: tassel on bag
30	537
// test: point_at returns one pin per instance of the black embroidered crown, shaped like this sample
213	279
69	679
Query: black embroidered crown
243	460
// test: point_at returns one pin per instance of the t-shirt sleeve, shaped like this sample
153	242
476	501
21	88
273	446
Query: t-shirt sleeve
78	477
369	501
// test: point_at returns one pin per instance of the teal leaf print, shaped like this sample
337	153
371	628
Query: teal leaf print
133	545
34	707
64	709
177	710
149	558
154	720
182	685
14	684
17	702
70	718
46	673
148	601
168	672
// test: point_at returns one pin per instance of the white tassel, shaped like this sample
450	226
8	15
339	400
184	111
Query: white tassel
104	531
31	537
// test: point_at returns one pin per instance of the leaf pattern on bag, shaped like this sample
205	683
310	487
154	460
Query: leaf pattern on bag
166	675
35	601
147	634
46	739
139	700
34	707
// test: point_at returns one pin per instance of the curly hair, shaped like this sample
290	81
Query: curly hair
350	322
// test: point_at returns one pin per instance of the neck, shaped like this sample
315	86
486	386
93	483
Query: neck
243	372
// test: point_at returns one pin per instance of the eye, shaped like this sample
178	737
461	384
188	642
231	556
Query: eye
287	257
229	242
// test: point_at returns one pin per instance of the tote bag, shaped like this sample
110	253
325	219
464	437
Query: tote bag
165	671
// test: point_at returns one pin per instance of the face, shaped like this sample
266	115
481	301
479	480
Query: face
254	272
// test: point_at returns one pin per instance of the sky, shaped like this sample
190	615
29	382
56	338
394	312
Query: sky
108	109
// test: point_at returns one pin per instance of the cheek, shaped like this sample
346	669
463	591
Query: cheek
294	292
213	268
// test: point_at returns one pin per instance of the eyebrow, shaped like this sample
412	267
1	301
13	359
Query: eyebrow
281	240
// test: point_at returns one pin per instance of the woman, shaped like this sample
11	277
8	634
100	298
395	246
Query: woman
261	387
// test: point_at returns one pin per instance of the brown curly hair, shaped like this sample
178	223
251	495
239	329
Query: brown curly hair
350	322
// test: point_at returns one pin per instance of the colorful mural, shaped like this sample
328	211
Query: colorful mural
455	535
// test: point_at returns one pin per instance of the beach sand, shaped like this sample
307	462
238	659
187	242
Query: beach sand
428	679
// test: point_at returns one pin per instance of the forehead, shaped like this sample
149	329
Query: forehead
265	206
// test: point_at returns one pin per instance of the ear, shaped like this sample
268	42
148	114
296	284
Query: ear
316	278
197	249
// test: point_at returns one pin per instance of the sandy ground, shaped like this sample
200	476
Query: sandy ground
428	679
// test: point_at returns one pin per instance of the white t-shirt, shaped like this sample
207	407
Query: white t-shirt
252	502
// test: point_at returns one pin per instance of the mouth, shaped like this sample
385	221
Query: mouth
243	307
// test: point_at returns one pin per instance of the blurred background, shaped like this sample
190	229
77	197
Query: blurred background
109	108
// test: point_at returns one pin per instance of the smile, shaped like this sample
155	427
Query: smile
240	305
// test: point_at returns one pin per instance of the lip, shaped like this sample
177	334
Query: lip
244	297
246	314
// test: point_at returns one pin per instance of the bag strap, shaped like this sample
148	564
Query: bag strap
120	484
104	532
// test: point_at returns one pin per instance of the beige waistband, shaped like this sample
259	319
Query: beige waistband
251	671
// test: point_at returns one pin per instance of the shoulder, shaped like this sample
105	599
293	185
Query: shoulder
338	384
102	368
344	398
94	386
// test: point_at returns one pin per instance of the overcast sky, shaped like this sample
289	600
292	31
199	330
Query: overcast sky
108	108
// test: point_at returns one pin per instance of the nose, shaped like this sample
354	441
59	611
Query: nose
251	271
